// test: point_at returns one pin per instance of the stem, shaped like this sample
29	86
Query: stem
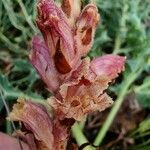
117	44
122	26
79	136
28	18
142	145
14	48
117	104
83	122
8	127
142	87
141	135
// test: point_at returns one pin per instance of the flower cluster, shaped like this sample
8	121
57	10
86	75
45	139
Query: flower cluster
77	83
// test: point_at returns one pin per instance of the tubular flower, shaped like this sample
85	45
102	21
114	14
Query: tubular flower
42	131
44	64
57	34
84	92
86	27
77	84
64	44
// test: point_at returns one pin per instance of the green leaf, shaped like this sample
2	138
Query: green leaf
1	104
143	92
12	93
22	65
144	126
8	88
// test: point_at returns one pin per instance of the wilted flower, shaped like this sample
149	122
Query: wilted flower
45	132
77	84
85	92
64	44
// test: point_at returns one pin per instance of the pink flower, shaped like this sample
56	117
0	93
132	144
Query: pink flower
85	92
57	34
77	84
9	143
42	131
64	45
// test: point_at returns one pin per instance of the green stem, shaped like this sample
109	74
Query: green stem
142	87
117	104
12	47
79	136
83	122
122	26
142	145
28	18
141	135
8	127
117	44
11	14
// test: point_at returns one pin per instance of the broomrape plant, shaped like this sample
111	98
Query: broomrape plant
77	83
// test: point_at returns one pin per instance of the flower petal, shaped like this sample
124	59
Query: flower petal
81	95
27	138
43	63
86	27
84	92
78	106
57	33
10	143
108	65
36	120
61	131
72	9
42	131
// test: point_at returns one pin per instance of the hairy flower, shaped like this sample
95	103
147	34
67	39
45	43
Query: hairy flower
44	64
85	91
48	133
57	34
77	84
64	44
86	26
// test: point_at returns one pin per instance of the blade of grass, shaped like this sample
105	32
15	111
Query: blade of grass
122	26
27	17
1	12
141	135
6	106
8	127
12	47
147	143
34	12
11	14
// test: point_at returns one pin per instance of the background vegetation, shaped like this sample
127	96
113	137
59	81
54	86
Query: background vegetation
124	30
